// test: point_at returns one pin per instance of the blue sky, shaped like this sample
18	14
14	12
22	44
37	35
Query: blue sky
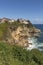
26	9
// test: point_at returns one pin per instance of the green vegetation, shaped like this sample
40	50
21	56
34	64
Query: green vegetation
3	30
15	55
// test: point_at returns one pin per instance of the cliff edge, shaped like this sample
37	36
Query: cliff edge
17	32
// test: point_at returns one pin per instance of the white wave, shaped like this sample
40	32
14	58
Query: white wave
34	43
40	45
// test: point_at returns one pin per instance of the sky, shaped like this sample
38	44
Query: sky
26	9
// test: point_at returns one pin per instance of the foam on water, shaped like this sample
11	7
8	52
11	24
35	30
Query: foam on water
40	45
34	43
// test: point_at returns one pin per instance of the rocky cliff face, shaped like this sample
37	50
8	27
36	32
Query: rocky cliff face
19	31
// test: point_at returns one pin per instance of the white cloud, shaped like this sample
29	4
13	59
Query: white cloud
38	21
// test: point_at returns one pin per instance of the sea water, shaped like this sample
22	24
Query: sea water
37	42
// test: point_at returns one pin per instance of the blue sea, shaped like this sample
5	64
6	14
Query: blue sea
40	38
37	42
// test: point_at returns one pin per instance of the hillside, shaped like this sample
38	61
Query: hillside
14	36
17	32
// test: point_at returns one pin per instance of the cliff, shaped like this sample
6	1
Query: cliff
16	32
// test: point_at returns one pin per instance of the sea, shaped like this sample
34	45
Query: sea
37	42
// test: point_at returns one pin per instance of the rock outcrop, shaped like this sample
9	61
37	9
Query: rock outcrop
19	31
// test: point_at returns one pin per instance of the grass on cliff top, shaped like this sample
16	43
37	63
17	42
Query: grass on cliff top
3	29
14	55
